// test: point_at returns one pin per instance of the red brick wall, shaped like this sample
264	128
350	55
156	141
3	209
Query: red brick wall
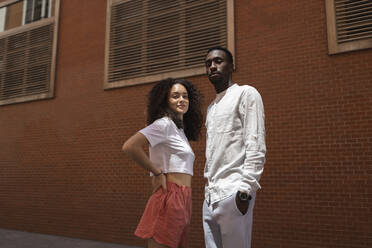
317	180
62	170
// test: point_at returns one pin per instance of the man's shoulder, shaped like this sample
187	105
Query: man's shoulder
247	90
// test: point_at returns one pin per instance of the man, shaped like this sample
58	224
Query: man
235	155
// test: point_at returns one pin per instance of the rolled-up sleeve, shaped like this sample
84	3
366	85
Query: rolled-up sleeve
252	113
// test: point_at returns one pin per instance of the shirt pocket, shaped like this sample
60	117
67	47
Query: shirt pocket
223	123
227	123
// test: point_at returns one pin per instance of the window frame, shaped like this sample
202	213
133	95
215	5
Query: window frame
333	46
230	19
27	27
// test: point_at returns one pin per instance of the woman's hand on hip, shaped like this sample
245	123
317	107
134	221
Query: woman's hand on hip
159	181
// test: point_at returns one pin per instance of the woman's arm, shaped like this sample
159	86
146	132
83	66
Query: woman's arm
134	148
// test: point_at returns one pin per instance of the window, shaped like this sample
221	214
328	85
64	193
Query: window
27	50
349	24
149	40
34	10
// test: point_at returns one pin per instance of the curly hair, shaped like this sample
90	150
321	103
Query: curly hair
157	107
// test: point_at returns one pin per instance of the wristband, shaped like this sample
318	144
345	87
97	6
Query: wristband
244	197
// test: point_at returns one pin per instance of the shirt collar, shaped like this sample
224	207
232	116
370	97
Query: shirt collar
220	95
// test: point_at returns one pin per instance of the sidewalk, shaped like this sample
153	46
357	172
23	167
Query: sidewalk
19	239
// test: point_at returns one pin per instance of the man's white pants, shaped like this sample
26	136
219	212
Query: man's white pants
225	226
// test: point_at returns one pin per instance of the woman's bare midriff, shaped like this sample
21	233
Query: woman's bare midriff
180	179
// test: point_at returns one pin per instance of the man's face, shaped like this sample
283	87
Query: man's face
218	67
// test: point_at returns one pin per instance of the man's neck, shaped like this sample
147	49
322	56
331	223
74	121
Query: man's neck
222	87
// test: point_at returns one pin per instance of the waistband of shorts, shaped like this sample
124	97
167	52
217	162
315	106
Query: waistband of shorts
176	187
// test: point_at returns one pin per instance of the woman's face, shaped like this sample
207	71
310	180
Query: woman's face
178	100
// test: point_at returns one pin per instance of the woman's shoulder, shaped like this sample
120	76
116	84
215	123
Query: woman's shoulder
163	122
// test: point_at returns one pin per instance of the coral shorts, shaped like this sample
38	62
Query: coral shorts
167	216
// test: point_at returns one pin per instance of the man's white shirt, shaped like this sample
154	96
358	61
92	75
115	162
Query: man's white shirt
235	149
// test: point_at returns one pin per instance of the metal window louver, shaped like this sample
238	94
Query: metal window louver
25	62
150	37
353	20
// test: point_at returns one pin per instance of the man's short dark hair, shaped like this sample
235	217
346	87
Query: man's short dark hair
227	52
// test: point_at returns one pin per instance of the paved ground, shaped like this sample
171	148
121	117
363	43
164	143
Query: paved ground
18	239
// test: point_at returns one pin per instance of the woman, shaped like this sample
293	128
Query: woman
173	117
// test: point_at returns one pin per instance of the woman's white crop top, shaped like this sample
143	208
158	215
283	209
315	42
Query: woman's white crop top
169	147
